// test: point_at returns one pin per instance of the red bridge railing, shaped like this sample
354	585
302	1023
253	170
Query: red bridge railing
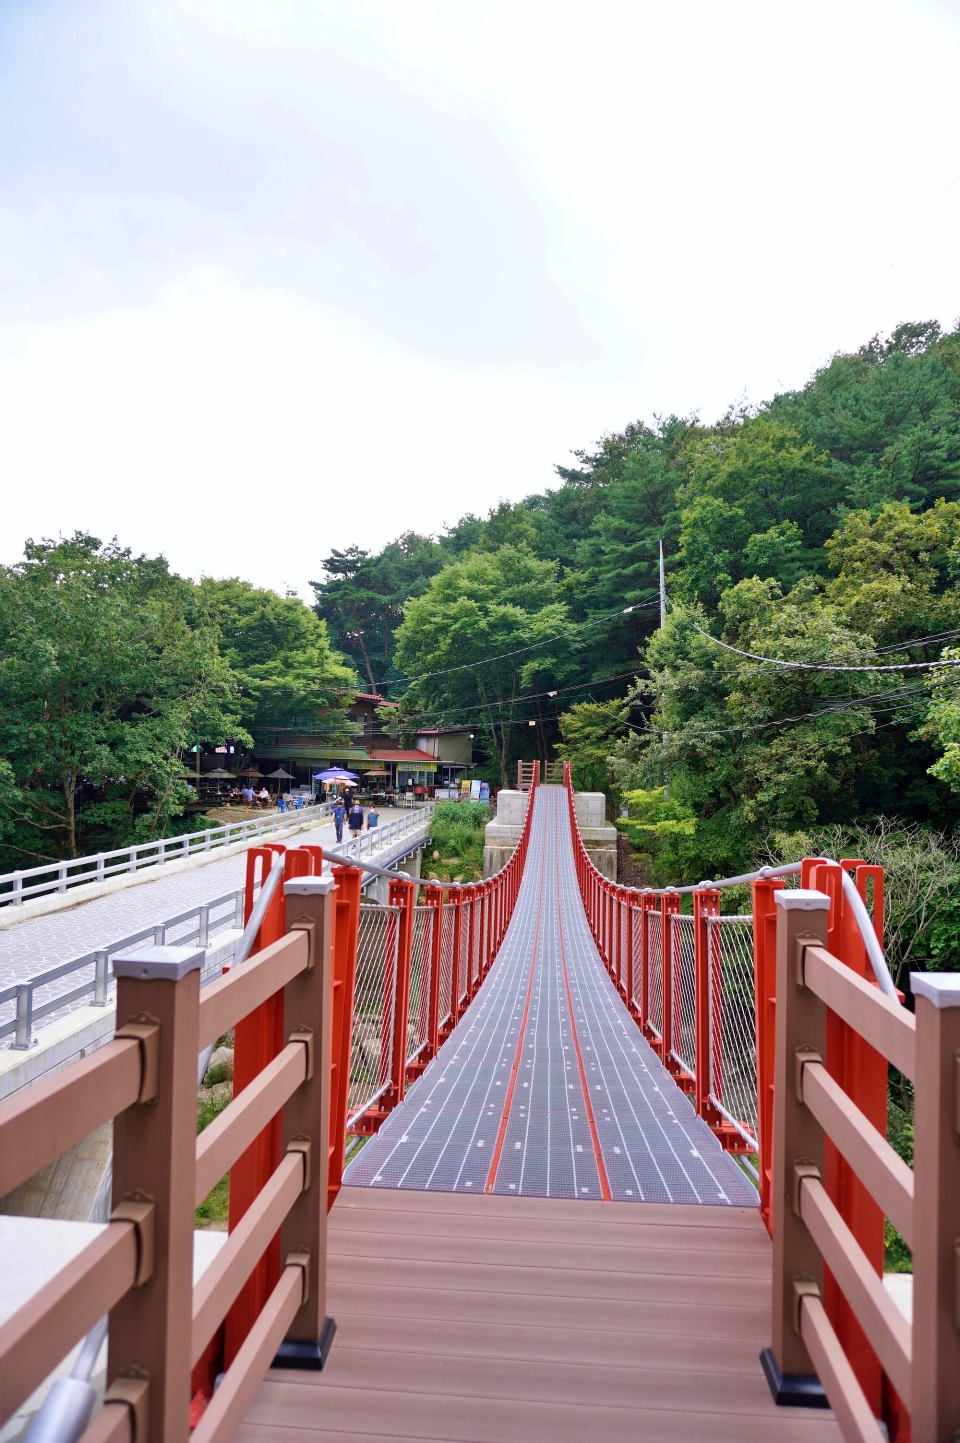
301	1018
798	1078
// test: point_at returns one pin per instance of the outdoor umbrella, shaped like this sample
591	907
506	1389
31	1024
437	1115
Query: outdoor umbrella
251	772
279	776
218	774
335	774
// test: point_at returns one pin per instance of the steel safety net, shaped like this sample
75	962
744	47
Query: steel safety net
636	922
655	979
466	950
683	992
733	1026
446	962
421	956
371	1057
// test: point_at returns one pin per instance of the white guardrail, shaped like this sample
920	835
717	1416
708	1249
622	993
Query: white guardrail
197	925
17	887
381	838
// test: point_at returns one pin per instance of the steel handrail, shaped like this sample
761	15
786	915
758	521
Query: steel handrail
22	992
96	867
874	951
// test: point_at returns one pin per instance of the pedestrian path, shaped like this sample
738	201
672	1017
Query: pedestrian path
546	1088
60	936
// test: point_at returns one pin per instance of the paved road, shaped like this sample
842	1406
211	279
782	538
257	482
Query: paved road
547	1088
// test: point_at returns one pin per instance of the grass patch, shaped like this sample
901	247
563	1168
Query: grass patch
897	1257
457	836
212	1212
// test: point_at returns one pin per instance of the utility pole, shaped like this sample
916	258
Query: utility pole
663	622
663	591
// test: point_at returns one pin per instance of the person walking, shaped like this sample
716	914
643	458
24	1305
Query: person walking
338	816
373	818
355	819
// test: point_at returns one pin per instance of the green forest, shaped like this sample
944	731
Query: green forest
812	548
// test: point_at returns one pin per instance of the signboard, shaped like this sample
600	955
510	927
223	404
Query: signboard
464	789
475	791
484	791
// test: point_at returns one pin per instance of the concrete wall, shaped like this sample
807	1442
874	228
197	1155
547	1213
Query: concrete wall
503	833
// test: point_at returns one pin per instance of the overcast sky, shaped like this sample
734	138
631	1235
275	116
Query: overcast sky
278	276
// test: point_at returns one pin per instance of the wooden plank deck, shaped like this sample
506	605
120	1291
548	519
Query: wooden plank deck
500	1319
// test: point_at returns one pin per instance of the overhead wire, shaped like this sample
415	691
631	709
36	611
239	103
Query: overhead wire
822	665
521	650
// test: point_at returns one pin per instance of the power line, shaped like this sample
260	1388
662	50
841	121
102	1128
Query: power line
849	703
520	650
822	665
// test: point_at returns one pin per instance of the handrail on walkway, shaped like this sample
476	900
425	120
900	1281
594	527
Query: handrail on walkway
16	887
96	986
780	1027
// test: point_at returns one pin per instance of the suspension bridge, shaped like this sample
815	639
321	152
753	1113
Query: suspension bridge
540	1157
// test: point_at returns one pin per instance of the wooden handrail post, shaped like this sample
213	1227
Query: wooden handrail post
936	1225
308	1009
798	1140
154	1157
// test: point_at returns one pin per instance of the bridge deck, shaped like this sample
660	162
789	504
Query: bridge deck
486	1319
546	1088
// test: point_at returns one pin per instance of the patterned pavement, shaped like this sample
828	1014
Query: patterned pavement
546	1088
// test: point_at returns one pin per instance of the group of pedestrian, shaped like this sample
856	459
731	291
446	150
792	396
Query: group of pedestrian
348	809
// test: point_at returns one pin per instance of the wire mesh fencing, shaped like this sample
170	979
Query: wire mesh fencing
421	974
655	973
466	960
733	1026
636	922
683	992
448	941
371	1055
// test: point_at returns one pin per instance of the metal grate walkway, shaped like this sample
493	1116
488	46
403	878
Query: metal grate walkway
546	1088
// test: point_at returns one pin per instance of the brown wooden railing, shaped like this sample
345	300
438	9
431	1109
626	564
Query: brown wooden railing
139	1269
812	1243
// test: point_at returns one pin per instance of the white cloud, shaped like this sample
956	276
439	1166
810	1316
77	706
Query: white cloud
283	276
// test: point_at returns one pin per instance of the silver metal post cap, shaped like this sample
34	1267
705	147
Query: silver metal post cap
167	964
940	988
800	899
308	886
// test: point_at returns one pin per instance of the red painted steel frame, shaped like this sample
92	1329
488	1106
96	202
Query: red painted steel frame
258	1039
490	905
862	1073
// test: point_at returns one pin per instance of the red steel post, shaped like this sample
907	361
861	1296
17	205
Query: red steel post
402	894
669	905
346	924
706	903
765	994
258	1039
434	899
862	1073
457	898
